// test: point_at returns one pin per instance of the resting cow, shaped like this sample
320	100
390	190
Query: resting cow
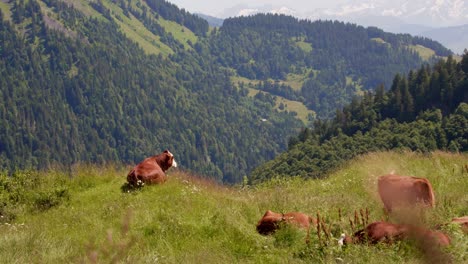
387	232
397	191
152	170
272	221
463	222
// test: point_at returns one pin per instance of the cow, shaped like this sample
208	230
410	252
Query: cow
272	221
386	232
152	169
395	190
463	222
378	232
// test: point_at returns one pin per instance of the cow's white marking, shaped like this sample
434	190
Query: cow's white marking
341	240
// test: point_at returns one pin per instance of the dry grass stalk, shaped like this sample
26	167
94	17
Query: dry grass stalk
326	230
367	216
363	219
318	228
112	250
356	218
351	224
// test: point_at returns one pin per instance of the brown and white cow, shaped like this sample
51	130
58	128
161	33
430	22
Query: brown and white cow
388	232
152	170
395	191
271	221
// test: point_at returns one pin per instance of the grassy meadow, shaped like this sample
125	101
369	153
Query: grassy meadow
82	215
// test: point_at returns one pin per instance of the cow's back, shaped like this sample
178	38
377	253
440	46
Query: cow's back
395	190
147	171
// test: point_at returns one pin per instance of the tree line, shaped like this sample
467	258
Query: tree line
424	111
95	96
74	88
346	58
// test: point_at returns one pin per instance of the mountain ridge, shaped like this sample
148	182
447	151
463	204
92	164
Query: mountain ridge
127	80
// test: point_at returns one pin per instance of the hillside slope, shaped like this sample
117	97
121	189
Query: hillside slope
455	38
336	60
101	81
425	111
51	218
104	81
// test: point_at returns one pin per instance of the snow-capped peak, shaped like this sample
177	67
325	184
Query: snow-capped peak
429	12
283	10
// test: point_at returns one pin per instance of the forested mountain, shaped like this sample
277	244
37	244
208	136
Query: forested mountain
339	59
105	81
424	111
74	89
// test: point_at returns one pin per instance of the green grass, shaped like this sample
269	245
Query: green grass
5	8
425	53
179	32
288	105
83	6
295	81
379	40
190	220
136	31
295	106
356	83
305	46
248	82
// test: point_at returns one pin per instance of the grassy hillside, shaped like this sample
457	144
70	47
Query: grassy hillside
51	218
302	113
282	104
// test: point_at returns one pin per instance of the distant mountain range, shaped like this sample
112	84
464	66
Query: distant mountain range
108	80
212	21
454	38
433	13
444	21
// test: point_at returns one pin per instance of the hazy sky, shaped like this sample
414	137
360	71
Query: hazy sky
430	13
217	7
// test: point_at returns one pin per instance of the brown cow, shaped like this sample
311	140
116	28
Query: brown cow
387	232
152	170
463	222
272	221
397	190
379	232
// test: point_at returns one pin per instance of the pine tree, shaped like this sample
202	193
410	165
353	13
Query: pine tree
464	62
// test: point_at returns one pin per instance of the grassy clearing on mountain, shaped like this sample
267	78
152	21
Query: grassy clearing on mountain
88	218
305	46
180	33
295	81
5	8
135	30
283	104
425	53
303	114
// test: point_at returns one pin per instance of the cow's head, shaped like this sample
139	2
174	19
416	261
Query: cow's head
169	159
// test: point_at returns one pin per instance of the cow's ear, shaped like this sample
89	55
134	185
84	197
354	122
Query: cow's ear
166	151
